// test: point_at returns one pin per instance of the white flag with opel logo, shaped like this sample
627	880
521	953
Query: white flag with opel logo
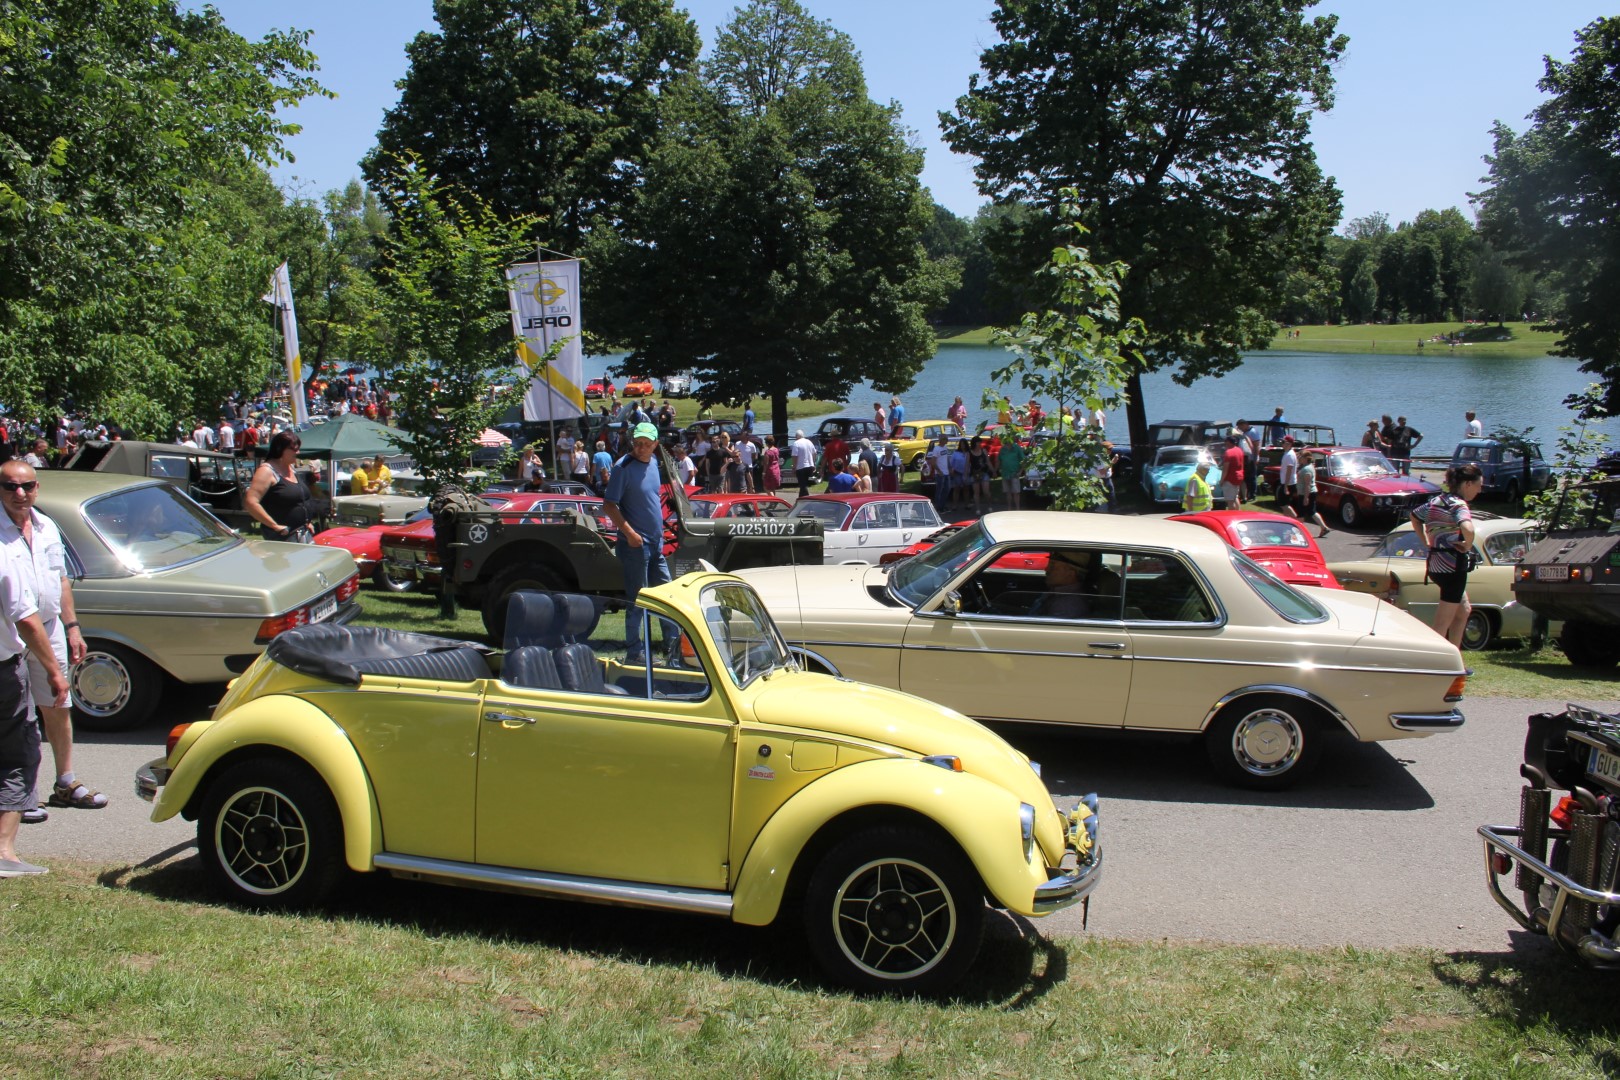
545	310
280	295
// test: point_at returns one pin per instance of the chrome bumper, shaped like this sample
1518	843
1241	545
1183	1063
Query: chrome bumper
1446	721
151	776
1595	948
1072	884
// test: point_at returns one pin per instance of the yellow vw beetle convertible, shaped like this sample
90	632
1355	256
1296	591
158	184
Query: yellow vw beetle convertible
718	778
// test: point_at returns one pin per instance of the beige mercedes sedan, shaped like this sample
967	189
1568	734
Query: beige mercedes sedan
164	590
1125	623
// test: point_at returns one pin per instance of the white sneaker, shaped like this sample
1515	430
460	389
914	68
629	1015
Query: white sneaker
18	868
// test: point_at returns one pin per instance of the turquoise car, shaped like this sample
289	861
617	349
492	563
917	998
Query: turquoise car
1165	477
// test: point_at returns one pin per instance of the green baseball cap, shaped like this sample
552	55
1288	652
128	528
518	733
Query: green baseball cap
645	431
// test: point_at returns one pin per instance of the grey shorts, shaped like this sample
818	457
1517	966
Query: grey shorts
19	738
39	685
1012	485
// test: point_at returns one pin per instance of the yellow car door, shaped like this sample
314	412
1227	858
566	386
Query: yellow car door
605	785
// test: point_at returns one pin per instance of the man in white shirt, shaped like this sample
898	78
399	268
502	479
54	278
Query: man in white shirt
1288	475
203	437
227	436
22	633
1475	429
746	453
804	460
36	548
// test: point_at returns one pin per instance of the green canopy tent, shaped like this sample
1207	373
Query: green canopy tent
352	436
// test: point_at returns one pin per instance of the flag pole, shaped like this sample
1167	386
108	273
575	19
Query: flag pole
545	348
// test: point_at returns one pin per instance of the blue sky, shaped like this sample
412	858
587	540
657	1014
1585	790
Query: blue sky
1418	89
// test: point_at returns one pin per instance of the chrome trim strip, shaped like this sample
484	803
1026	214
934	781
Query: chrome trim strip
1274	688
597	890
1447	721
804	651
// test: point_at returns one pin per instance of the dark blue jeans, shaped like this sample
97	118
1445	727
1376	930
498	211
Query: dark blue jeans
643	566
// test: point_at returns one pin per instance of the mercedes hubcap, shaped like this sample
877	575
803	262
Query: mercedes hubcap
1267	742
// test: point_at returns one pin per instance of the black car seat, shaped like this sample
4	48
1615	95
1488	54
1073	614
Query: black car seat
577	665
531	666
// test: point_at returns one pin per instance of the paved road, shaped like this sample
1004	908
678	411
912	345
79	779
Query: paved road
1377	850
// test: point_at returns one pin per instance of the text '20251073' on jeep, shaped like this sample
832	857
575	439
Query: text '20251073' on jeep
889	821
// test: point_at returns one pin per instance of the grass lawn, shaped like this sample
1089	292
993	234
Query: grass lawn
140	972
1401	339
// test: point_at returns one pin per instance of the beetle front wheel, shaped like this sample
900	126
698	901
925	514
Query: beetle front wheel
895	910
270	834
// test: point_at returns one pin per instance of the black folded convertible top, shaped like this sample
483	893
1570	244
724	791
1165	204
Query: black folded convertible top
345	653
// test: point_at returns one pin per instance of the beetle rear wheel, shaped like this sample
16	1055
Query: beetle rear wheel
1265	742
895	909
270	834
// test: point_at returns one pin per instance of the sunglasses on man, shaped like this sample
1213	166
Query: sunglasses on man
19	485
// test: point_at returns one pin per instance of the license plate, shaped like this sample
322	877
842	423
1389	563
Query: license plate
323	608
1552	573
1604	765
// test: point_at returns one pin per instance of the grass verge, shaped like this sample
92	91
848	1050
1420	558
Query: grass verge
137	972
1520	343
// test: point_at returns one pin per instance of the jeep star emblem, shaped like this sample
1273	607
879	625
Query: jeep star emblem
478	534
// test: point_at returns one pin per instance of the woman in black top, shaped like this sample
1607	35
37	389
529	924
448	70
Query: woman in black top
275	498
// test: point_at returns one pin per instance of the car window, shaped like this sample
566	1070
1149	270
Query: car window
877	515
1467	453
1405	544
169	466
1161	588
1023	583
155	527
918	514
1285	600
1269	534
921	576
830	514
1506	548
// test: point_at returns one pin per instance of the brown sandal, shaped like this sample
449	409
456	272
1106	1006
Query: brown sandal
68	795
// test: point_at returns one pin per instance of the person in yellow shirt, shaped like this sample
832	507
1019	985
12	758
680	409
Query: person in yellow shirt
359	482
1198	496
382	478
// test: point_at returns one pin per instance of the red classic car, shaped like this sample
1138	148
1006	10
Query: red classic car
599	388
637	386
364	544
738	506
408	553
1357	482
1275	541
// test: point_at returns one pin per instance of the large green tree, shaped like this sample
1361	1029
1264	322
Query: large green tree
129	263
1184	126
541	107
775	244
1550	204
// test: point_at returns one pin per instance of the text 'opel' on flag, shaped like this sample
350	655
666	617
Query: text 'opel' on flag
280	295
545	311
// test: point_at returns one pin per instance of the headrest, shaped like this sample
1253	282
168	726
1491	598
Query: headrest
529	619
576	615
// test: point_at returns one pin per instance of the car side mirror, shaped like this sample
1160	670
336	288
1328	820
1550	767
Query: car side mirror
952	604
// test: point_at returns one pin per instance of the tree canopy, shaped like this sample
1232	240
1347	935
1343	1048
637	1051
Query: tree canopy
775	242
129	206
537	107
1184	127
1552	192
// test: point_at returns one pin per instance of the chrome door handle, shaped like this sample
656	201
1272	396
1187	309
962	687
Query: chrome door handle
1116	645
508	718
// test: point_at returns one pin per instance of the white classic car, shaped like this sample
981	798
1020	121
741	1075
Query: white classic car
865	527
1135	623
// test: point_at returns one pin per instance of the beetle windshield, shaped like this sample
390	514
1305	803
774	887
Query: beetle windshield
921	576
155	527
744	635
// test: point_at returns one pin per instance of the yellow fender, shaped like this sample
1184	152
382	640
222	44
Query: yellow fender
299	728
981	816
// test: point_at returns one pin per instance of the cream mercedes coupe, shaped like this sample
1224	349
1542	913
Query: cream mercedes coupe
1123	622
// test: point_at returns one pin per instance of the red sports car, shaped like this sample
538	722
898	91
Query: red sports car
1277	542
599	388
1357	482
364	544
739	506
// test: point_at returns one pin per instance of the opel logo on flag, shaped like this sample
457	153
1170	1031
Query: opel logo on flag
548	291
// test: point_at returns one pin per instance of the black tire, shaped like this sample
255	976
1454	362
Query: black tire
113	688
916	462
1480	630
270	835
387	582
1266	742
895	910
1349	512
505	583
1512	491
1590	645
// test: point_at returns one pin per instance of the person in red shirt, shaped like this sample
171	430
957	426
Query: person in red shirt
1232	473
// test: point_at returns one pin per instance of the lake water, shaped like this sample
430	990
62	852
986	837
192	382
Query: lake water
1339	389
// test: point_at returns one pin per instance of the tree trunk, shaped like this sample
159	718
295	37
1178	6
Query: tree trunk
1136	416
779	415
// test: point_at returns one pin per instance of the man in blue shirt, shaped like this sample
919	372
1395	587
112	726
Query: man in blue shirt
634	503
601	467
897	416
748	417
